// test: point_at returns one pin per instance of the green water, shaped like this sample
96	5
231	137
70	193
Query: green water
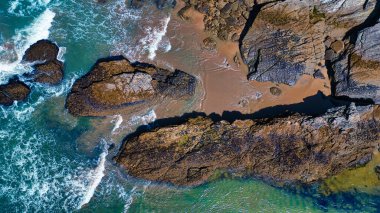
42	165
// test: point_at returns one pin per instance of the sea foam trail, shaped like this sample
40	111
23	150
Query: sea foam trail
39	29
144	119
96	177
154	37
118	120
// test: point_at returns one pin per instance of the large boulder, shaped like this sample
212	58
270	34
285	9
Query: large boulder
116	85
283	43
47	68
14	90
41	51
357	70
287	38
296	149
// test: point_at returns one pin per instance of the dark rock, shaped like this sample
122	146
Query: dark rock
49	73
275	91
115	85
295	149
357	71
47	68
41	51
14	90
318	74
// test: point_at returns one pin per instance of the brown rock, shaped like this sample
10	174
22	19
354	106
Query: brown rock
14	90
209	43
41	51
116	85
47	68
275	91
296	149
337	46
49	73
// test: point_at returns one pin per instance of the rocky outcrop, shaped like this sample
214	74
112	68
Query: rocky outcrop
283	43
14	90
115	85
296	149
223	19
357	70
47	68
287	38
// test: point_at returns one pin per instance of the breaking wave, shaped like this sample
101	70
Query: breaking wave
11	52
95	176
154	37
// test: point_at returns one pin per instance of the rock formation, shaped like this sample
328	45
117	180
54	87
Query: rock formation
47	68
287	38
14	90
223	19
295	149
115	85
357	70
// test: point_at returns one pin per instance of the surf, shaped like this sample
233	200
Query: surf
20	42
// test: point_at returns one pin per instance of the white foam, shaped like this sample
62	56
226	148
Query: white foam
145	119
129	200
39	29
154	37
61	53
26	7
118	120
34	178
96	177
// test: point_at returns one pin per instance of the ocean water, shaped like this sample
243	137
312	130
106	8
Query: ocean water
42	165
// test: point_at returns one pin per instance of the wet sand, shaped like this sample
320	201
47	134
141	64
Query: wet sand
225	83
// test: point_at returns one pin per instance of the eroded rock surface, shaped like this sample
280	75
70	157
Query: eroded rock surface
297	149
287	38
283	43
14	90
357	70
47	68
115	85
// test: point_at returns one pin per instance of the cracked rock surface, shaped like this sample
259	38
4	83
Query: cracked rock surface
115	85
296	149
357	70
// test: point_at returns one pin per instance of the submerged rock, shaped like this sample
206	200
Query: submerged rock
296	149
47	68
14	90
116	85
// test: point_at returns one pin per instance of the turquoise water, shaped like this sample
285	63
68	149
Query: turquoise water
43	165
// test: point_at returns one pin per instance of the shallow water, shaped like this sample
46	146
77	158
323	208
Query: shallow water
53	162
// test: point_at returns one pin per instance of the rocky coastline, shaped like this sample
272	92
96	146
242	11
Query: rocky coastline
290	150
279	41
